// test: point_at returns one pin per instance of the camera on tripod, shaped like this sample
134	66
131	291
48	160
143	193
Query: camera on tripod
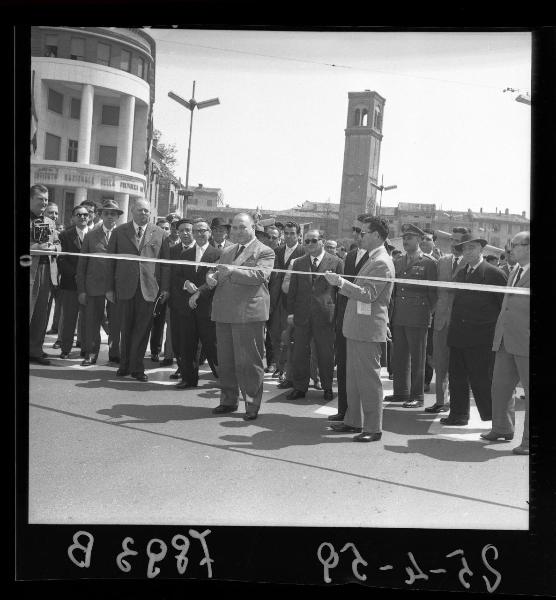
40	232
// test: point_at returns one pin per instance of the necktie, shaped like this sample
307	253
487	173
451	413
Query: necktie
108	235
139	232
315	265
455	265
239	251
469	272
360	260
518	276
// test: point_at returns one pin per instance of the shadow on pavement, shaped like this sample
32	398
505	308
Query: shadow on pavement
281	431
406	421
156	413
311	397
450	450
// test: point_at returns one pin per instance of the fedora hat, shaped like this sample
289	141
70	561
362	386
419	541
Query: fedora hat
219	222
111	205
469	237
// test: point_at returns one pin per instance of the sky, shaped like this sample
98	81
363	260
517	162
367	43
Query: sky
451	136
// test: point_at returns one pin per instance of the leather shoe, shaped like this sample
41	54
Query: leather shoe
436	408
64	355
221	409
250	416
114	359
520	450
89	360
453	421
167	362
336	417
175	375
82	354
39	360
365	436
52	332
270	368
155	358
295	394
140	376
413	404
284	385
394	398
122	372
343	428
184	385
78	344
328	395
492	436
277	373
56	345
317	385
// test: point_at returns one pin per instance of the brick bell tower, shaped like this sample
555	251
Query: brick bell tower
361	157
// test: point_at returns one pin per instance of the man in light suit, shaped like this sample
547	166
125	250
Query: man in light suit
470	334
449	266
240	308
134	285
92	281
43	273
511	344
312	309
364	327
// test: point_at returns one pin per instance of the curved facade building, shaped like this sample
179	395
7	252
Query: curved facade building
93	91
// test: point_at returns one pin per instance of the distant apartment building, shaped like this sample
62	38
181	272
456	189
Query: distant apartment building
92	97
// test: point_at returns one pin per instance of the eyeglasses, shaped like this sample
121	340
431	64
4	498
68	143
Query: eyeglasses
200	230
312	241
519	244
84	215
356	229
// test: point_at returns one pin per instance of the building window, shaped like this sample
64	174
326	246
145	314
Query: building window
107	156
77	51
125	60
209	202
110	115
103	54
364	117
357	118
146	72
51	45
140	67
72	150
75	108
377	123
52	147
55	101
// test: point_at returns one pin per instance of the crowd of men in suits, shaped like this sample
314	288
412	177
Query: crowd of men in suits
250	299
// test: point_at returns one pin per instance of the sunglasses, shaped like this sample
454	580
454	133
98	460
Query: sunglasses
110	213
312	241
356	229
85	215
200	230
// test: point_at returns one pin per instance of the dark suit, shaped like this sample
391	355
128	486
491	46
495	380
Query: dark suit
340	349
92	279
278	320
312	302
71	308
136	287
190	325
470	337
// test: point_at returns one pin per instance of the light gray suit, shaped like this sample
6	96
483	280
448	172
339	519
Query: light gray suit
364	334
442	314
240	308
511	365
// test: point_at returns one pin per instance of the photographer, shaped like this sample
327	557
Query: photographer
43	273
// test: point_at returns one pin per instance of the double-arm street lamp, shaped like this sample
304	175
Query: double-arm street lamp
382	188
190	105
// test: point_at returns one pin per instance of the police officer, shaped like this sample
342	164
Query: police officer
43	272
412	313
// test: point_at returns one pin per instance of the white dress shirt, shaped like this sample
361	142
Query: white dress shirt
289	251
136	227
319	259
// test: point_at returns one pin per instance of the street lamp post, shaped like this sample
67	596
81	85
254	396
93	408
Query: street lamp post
382	188
190	105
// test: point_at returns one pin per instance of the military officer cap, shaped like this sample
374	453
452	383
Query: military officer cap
410	229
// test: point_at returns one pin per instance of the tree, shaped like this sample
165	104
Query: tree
168	151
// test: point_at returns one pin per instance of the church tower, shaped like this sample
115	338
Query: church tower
361	157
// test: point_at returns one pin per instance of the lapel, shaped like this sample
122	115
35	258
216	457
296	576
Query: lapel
363	260
523	281
149	228
131	234
76	240
247	253
294	254
478	273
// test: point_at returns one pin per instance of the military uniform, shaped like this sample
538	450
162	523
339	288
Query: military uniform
411	318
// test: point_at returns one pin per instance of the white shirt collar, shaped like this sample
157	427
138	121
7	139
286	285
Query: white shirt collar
374	252
107	231
288	252
200	250
471	269
248	243
319	258
136	227
525	268
81	232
